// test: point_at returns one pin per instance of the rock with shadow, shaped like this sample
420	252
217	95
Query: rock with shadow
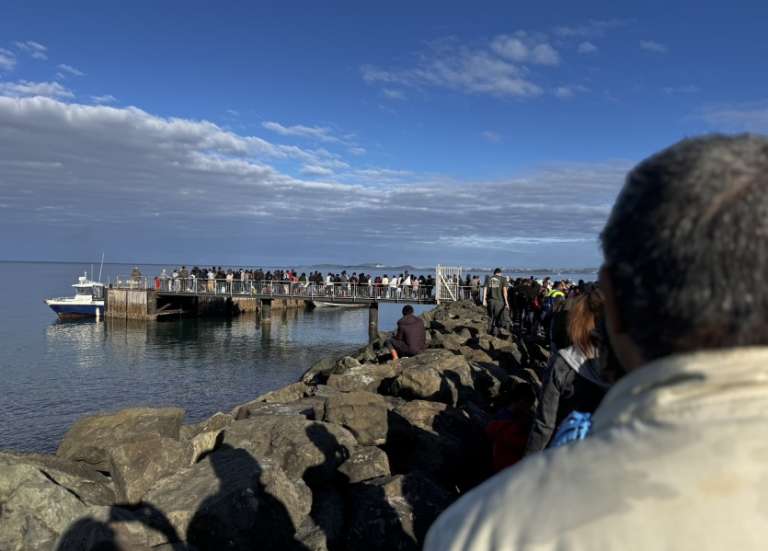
446	442
394	512
364	414
229	500
436	375
308	407
285	441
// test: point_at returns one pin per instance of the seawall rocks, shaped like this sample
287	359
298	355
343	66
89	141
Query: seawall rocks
362	452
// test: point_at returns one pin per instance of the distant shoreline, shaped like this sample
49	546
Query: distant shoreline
364	267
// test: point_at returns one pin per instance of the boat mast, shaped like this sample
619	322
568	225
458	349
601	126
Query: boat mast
102	265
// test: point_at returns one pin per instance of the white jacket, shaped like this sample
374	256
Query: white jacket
678	460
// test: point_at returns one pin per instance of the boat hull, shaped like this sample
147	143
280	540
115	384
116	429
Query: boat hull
77	311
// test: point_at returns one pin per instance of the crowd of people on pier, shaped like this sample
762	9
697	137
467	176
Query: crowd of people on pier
289	282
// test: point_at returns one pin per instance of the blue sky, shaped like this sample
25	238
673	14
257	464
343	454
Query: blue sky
398	132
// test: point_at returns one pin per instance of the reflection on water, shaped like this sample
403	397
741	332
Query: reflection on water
53	372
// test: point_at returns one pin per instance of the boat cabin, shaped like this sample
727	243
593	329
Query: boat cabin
85	288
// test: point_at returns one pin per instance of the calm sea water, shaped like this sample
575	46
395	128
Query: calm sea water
53	372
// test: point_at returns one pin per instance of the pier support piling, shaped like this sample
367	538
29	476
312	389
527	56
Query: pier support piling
265	313
373	321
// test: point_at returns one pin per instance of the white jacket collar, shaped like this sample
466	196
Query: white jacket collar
719	384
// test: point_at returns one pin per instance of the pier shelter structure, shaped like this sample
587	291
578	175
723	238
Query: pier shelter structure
149	299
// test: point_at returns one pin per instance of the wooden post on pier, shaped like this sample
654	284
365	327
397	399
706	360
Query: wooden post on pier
265	313
373	321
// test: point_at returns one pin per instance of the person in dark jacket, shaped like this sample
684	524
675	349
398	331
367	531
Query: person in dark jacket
411	336
575	379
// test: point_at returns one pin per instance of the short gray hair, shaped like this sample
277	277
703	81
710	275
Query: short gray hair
686	246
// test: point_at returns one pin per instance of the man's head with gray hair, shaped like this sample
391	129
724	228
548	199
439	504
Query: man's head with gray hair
686	250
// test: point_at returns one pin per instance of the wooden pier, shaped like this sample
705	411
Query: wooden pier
142	299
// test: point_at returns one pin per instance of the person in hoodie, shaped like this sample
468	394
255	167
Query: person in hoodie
574	380
411	336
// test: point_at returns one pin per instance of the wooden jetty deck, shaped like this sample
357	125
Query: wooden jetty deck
145	299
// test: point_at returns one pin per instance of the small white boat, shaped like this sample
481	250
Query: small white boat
88	301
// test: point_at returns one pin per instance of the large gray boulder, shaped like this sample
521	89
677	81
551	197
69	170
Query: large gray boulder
364	464
448	341
363	413
90	438
368	377
437	375
37	513
309	408
89	485
490	380
34	510
321	370
288	393
475	355
323	529
205	436
303	449
137	466
394	513
216	422
441	440
231	500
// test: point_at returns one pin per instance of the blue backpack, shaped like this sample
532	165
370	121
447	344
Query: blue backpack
576	426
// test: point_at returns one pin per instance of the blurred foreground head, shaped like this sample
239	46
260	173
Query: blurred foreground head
686	251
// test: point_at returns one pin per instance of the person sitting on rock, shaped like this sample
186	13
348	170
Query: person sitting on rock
676	458
411	336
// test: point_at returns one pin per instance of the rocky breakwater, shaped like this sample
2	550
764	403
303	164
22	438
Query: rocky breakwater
362	453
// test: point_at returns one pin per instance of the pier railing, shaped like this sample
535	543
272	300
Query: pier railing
319	292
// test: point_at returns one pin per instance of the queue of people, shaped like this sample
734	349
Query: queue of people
672	456
254	281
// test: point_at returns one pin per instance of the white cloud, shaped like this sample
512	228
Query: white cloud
34	49
523	48
586	48
69	70
750	117
357	151
502	242
498	67
25	88
595	27
570	91
233	112
216	189
107	98
391	93
491	136
7	60
684	89
315	170
654	47
318	133
463	69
